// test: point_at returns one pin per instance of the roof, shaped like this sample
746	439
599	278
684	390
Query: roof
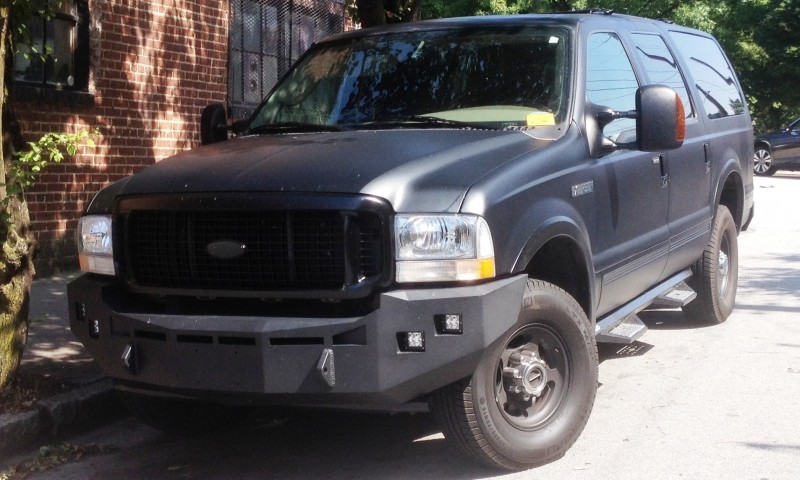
567	19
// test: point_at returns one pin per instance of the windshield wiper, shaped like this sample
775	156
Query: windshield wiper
427	121
294	127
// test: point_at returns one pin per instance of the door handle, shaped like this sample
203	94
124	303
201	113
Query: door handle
662	162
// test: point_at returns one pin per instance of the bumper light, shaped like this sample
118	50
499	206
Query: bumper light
411	341
449	324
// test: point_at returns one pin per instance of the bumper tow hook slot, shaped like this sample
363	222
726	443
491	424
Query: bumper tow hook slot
130	358
326	367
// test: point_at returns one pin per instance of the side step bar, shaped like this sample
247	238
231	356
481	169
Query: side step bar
677	297
624	326
627	331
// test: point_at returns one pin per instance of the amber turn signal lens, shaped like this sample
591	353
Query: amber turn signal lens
680	119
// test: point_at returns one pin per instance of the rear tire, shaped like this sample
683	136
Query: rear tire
532	392
716	274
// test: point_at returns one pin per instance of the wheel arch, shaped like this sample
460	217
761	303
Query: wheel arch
762	142
558	254
731	194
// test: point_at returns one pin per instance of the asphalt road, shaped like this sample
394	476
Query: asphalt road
719	402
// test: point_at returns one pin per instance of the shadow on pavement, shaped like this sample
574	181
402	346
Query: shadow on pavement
669	320
302	444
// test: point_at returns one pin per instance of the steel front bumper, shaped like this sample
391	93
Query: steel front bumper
292	360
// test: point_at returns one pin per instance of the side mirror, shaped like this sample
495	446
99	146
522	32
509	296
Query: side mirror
213	124
661	123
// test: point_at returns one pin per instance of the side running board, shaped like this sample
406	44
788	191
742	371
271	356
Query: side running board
624	326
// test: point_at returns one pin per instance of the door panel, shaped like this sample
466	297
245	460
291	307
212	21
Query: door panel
787	147
631	241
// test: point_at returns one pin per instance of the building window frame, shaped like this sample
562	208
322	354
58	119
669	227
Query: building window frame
58	57
266	37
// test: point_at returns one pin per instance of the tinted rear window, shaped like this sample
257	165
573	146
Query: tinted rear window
661	67
713	76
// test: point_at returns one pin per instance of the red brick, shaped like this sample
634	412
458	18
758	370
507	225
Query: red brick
155	65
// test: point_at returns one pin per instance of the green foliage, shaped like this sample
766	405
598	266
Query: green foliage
462	8
20	14
761	37
395	11
50	148
26	165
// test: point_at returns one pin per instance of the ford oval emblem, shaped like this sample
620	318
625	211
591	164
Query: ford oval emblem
226	249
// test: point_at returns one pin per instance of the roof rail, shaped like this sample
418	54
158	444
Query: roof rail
593	11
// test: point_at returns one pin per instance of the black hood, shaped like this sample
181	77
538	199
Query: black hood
415	170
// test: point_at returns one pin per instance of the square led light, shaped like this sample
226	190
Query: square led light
449	324
411	341
415	340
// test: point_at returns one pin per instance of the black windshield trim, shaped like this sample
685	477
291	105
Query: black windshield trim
287	127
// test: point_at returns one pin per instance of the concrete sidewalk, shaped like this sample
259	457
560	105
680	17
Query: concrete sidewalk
54	353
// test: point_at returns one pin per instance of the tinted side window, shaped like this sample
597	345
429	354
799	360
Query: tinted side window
610	82
661	67
714	77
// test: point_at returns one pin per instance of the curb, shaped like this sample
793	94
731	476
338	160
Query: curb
76	410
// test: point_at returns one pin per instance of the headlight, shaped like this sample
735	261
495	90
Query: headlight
437	248
95	249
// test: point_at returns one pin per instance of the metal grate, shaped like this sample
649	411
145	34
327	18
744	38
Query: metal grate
266	37
296	250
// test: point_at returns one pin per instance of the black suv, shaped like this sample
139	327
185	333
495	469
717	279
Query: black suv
453	211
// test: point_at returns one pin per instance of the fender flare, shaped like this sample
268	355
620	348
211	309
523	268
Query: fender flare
731	167
555	227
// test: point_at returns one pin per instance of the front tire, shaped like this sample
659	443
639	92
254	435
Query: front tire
762	162
716	274
532	392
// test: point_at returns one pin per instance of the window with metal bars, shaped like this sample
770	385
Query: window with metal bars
266	37
56	54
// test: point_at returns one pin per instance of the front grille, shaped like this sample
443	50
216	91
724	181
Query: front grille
280	250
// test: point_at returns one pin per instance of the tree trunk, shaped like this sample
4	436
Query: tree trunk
371	13
16	265
16	275
416	11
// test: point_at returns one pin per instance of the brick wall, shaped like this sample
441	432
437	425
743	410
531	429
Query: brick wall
154	66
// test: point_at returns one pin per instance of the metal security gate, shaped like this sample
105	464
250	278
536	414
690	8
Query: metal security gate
266	37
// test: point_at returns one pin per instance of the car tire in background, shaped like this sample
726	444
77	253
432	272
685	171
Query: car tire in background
762	161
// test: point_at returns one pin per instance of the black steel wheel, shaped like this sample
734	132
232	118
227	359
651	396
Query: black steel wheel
762	162
531	395
716	274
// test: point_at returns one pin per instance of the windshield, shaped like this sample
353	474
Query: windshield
491	78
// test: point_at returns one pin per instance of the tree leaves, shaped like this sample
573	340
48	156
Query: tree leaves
50	148
26	165
761	37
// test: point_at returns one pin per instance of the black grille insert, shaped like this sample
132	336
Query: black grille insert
280	250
